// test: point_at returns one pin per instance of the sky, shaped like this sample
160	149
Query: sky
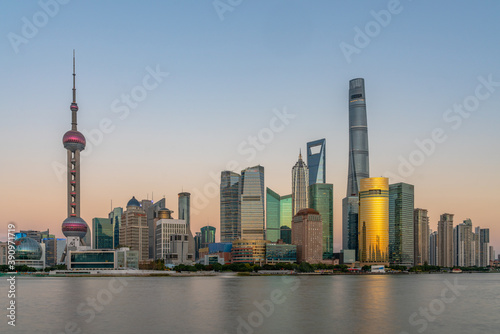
173	92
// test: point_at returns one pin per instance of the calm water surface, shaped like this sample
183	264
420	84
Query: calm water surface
439	303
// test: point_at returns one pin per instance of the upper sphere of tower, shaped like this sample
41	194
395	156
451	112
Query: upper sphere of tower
74	107
74	140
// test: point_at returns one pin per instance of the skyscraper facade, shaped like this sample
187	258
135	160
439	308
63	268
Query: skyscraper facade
321	200
115	217
300	189
484	237
152	213
74	227
272	215
286	215
252	203
401	239
374	220
230	206
184	203
420	237
207	236
433	248
316	161
358	163
134	229
102	233
463	242
445	240
307	231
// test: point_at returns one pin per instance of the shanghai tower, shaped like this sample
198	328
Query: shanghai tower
358	162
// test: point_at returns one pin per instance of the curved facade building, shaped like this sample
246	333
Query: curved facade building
358	137
374	220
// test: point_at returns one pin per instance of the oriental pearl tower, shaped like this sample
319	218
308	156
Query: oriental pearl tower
73	227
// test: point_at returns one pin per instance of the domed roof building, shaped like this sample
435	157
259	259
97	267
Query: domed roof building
30	253
133	202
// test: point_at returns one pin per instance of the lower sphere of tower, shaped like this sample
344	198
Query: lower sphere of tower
74	227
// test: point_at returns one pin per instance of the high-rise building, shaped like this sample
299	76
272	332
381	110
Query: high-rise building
359	166
197	244
316	161
152	215
300	189
74	227
230	206
103	233
286	234
307	235
272	215
477	246
134	229
433	248
165	227
61	247
484	239
207	236
445	240
184	203
286	215
115	217
50	251
374	220
401	240
36	235
420	237
252	203
463	242
321	200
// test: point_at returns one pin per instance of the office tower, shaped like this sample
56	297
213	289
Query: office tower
152	214
103	233
316	161
115	217
134	229
307	235
165	226
477	246
286	215
252	203
358	137
230	206
207	236
492	253
484	238
359	166
74	227
445	240
420	237
50	251
433	248
401	205
463	242
197	244
286	234
61	247
272	215
184	203
300	189
321	200
374	220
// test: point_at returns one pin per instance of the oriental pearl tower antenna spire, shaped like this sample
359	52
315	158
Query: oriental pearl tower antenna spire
73	227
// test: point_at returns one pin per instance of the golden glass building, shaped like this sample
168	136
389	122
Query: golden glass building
373	223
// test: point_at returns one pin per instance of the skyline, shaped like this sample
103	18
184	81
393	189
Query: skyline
170	155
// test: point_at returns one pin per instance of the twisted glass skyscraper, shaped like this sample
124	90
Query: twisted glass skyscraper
358	162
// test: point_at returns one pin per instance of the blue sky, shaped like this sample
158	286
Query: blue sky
225	78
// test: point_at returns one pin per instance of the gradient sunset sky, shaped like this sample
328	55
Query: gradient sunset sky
231	69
